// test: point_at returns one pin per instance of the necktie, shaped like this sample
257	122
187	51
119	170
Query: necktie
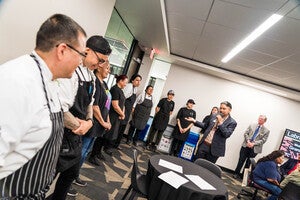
255	134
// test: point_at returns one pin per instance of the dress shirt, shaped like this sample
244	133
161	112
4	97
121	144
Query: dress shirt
68	87
25	123
141	97
129	90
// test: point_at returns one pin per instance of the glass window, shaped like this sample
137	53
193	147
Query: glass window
120	39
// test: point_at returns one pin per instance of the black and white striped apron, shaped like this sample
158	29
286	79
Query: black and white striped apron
33	179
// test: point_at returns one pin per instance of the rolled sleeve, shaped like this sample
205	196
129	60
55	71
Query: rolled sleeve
67	91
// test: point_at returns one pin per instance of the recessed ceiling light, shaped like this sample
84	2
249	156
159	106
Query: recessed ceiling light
250	38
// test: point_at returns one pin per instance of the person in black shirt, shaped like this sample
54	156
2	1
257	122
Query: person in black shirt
160	122
182	128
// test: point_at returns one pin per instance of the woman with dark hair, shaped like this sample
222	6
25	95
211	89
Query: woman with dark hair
130	92
140	114
206	119
117	111
101	118
266	174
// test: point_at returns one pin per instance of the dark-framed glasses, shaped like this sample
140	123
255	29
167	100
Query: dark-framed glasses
80	53
100	60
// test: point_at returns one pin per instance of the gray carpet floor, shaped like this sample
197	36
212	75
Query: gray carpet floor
111	179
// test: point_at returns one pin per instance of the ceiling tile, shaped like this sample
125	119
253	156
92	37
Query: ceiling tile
184	37
189	8
257	57
181	42
295	58
271	5
183	51
242	63
279	74
209	51
288	66
218	33
264	76
271	47
179	22
239	69
237	17
287	30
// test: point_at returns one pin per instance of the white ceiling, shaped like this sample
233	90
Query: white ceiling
199	33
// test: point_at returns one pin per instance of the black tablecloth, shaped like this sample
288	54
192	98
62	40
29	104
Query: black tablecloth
160	190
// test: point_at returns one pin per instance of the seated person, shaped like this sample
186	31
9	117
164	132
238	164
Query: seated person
293	177
289	166
266	174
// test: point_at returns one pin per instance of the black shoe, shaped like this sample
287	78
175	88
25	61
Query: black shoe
134	143
128	142
72	192
80	182
148	147
108	152
119	148
94	161
236	176
100	156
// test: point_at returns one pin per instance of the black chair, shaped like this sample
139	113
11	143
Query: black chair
139	183
210	166
290	192
252	184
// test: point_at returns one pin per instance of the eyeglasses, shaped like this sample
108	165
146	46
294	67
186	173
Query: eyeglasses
80	53
100	60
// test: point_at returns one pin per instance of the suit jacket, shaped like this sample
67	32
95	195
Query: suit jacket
260	139
223	132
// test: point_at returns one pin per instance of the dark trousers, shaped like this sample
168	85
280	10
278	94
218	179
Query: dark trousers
176	146
204	151
120	135
64	182
245	154
154	136
133	134
98	144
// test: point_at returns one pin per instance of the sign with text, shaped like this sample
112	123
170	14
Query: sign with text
290	143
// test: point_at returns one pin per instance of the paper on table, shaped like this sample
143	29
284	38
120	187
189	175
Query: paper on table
173	179
169	165
200	182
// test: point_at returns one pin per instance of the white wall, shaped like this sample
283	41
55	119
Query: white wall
20	21
144	72
247	102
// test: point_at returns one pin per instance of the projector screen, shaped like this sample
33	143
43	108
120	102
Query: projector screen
290	144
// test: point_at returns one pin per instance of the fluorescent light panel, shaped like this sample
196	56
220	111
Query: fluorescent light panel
250	38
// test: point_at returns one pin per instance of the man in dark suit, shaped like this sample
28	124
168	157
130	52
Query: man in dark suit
220	127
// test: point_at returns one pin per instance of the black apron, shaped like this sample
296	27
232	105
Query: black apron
128	107
141	114
70	152
185	113
33	179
